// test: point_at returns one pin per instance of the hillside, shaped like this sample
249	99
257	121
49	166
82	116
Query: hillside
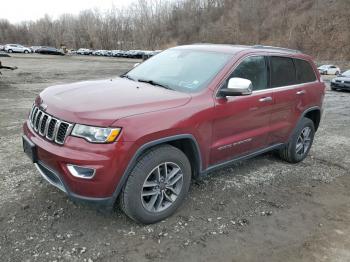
318	27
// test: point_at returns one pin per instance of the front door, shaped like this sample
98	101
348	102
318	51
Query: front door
241	123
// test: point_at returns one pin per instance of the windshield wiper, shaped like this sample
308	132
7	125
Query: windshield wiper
154	83
128	77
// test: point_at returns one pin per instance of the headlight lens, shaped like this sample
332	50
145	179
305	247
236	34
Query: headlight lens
96	134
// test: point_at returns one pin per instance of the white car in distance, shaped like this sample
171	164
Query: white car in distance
15	48
329	70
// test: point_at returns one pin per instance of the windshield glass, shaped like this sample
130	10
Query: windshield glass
346	73
181	70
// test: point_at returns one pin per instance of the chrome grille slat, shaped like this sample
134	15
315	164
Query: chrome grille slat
42	123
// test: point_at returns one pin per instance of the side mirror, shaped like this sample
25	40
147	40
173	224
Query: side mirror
237	87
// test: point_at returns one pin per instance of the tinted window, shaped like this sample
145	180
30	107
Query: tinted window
254	69
305	73
282	71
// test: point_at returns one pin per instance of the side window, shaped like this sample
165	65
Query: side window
305	73
253	68
282	71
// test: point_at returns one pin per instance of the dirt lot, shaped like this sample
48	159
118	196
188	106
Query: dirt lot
258	210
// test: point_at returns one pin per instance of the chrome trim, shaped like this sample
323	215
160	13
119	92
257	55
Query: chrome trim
74	172
34	117
60	187
47	125
40	123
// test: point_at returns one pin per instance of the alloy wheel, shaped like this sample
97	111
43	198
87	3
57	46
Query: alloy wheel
162	187
304	141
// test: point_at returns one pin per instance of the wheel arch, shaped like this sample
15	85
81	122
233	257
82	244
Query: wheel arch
185	142
314	114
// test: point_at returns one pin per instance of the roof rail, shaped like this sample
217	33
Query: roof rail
276	48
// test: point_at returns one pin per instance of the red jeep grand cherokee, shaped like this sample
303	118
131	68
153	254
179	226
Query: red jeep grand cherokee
141	137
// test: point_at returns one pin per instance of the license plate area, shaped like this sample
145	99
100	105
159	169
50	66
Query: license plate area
30	149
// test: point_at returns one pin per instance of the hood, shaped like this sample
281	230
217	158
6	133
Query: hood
341	78
102	102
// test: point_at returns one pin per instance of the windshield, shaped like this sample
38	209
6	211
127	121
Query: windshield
180	70
346	73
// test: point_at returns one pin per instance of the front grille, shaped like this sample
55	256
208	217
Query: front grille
48	126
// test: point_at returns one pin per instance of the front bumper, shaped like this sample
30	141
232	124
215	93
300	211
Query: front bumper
109	161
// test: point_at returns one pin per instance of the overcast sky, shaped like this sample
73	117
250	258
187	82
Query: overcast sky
23	10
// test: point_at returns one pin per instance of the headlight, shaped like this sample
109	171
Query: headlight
96	134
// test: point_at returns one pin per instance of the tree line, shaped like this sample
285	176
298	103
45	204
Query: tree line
317	27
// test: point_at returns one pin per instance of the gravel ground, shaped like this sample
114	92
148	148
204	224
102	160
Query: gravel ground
258	210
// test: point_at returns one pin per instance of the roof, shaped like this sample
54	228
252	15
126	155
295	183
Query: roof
233	49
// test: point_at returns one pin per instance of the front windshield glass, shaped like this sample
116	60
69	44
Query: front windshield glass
181	70
346	73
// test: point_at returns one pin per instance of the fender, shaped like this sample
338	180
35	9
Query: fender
303	115
148	145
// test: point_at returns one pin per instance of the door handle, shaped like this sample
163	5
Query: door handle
301	92
265	99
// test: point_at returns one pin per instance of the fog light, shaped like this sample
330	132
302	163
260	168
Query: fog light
81	172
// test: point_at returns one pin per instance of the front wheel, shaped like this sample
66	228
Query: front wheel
10	51
157	185
300	144
26	51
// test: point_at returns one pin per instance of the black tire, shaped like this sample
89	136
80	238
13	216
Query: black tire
289	152
337	73
130	199
10	51
26	52
333	89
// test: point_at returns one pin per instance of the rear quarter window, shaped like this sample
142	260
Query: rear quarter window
304	71
282	71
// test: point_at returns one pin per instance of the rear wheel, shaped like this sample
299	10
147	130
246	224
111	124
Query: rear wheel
157	185
337	73
299	146
26	51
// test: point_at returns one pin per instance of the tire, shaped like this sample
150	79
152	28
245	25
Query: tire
10	51
144	175
337	73
333	89
290	152
26	52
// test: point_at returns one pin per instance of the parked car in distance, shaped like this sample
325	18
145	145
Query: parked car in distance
141	138
49	51
341	82
329	70
34	48
16	48
84	51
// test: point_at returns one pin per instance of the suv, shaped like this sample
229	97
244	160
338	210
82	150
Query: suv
187	111
15	48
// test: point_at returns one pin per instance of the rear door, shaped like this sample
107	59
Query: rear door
241	123
294	85
286	99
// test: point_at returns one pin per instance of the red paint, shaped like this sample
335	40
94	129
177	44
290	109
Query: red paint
147	113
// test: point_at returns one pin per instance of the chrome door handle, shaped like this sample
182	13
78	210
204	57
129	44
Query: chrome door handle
265	99
301	92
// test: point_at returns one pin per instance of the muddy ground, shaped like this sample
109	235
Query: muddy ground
258	210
